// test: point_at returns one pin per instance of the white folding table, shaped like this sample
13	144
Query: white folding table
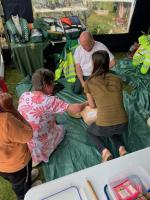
98	175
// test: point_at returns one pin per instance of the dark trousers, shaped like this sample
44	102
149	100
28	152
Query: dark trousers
97	140
21	180
98	133
77	87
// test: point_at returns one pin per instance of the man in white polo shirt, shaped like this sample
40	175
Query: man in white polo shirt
83	59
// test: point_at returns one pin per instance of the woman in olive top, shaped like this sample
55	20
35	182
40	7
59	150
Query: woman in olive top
104	91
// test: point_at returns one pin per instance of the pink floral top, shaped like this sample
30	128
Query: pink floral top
40	110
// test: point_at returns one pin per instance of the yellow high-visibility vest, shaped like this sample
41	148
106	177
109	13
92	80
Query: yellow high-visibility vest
67	66
142	55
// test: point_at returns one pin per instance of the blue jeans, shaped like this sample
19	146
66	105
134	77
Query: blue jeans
77	87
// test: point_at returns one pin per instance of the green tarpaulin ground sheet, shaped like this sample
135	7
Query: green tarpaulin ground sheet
76	152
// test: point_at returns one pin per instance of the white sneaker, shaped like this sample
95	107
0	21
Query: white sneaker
34	174
36	183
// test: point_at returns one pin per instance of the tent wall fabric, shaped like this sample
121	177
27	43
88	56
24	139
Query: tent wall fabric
21	7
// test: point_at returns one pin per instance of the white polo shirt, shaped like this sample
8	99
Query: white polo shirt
84	58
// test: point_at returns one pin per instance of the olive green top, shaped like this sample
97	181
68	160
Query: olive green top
108	97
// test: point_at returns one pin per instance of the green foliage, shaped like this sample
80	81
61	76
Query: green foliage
101	28
6	192
100	24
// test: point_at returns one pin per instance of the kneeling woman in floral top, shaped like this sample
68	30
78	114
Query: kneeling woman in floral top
39	108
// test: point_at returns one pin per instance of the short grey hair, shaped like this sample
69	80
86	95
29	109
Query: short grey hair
42	77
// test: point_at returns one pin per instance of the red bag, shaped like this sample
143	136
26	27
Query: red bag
3	86
66	20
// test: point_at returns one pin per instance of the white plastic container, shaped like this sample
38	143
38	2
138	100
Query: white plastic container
70	193
139	172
